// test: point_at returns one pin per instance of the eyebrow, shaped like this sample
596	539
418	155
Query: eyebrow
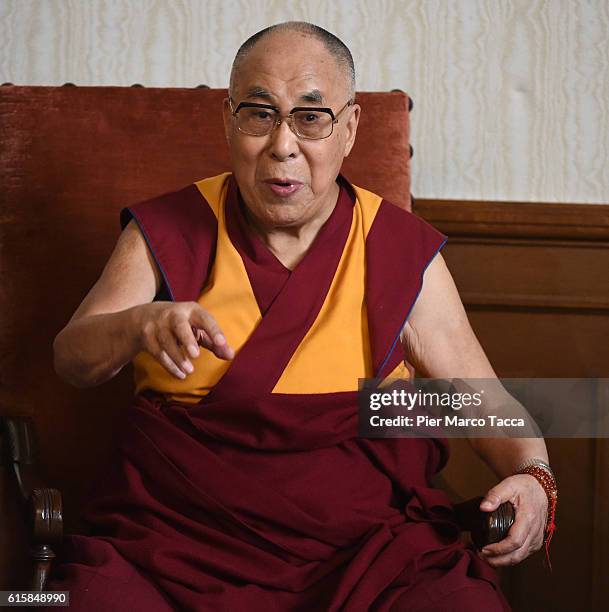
314	96
258	92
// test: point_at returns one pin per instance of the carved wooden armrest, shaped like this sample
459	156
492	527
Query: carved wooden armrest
485	527
41	505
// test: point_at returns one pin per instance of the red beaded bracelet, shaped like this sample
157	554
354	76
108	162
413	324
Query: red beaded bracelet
545	477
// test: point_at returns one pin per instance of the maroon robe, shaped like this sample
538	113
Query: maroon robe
259	501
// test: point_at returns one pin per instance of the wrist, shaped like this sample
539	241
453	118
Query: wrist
532	462
541	471
133	325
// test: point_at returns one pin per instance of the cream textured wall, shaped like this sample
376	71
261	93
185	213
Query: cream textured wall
511	96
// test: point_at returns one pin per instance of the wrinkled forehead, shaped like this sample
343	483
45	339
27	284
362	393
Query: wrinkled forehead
291	68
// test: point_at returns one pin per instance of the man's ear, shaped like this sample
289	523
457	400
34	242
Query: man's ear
227	117
352	124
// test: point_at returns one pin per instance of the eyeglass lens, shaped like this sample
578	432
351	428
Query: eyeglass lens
306	123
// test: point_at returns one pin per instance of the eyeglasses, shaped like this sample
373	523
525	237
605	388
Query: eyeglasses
310	123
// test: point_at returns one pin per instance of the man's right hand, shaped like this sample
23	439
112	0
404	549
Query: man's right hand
172	332
118	319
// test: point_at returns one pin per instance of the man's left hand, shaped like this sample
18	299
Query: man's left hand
526	535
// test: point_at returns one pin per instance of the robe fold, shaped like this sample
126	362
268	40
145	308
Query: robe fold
245	486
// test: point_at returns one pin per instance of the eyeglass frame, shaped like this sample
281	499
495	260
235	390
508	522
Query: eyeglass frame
288	117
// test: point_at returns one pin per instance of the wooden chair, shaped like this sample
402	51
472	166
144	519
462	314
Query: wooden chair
72	157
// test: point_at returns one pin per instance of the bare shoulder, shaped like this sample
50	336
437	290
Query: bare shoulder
437	338
130	277
439	299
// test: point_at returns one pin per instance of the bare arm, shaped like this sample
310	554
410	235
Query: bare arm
440	343
117	320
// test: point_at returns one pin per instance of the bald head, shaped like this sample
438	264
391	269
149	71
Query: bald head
335	47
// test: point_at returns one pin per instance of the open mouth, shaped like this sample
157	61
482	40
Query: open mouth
283	187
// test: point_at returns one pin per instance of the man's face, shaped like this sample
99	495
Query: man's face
288	70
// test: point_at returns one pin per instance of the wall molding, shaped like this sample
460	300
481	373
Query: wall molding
460	218
527	256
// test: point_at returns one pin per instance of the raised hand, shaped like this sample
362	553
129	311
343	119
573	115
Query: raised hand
173	331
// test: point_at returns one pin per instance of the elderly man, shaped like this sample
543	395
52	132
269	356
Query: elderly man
251	303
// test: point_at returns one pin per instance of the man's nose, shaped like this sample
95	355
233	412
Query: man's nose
284	143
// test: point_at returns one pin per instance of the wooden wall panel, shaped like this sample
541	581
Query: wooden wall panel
535	281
